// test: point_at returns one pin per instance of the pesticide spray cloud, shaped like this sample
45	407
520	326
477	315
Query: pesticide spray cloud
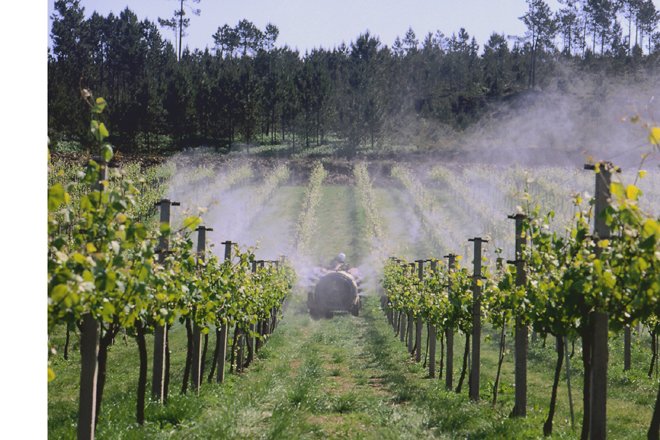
575	119
539	138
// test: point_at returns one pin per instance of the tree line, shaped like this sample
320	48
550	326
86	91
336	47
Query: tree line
247	89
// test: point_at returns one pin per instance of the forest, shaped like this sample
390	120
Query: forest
246	88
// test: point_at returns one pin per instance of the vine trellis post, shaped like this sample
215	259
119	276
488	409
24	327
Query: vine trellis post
419	324
197	333
410	320
432	330
521	336
449	375
221	333
476	319
159	372
599	319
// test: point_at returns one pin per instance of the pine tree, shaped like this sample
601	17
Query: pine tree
179	22
541	29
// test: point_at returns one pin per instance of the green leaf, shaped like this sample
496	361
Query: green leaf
59	292
140	231
654	135
617	190
609	279
192	222
632	192
55	196
106	151
87	276
103	132
98	130
99	106
650	228
107	310
603	243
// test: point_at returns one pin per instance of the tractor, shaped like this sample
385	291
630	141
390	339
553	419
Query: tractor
337	290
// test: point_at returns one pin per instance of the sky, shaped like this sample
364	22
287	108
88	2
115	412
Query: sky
305	24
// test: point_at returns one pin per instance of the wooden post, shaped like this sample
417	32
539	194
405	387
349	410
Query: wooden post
419	325
250	336
222	353
476	319
410	340
392	316
197	333
449	334
89	349
158	380
222	334
258	342
410	317
432	332
521	336
240	362
599	320
403	325
266	327
228	245
599	356
568	382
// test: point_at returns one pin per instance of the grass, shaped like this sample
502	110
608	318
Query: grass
347	377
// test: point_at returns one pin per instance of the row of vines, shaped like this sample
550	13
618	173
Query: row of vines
562	283
110	270
307	218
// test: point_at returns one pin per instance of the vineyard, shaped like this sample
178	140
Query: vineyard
176	302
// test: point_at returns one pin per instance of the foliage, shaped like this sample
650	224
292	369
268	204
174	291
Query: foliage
311	199
104	263
569	275
248	89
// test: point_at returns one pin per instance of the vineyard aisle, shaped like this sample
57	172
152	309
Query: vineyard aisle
402	228
341	378
275	226
337	229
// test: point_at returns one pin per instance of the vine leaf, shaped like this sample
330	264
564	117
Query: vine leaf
654	135
56	196
192	222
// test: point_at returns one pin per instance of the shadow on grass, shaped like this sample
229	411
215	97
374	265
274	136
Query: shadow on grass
447	412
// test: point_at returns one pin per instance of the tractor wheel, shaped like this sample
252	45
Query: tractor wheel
355	309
